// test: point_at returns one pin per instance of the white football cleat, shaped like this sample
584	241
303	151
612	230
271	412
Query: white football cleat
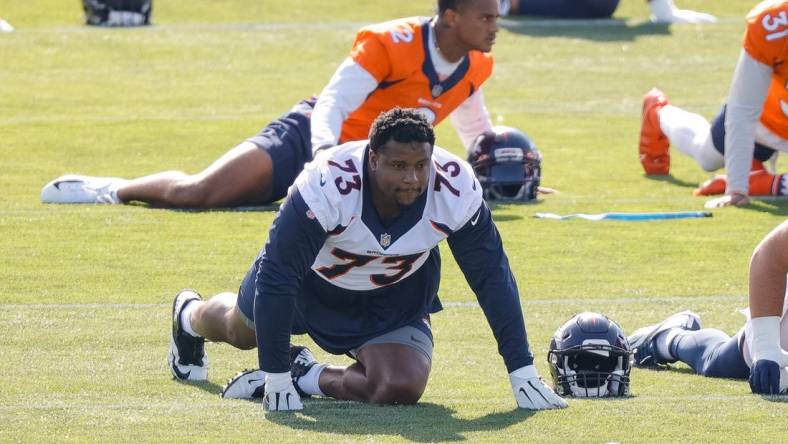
74	189
665	11
248	384
186	359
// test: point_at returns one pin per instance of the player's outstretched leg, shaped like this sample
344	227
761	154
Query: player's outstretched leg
710	352
651	342
242	176
187	357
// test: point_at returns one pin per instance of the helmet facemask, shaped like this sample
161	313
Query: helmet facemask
507	164
590	357
591	371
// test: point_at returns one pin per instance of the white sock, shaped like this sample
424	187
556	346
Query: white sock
113	190
691	134
664	340
186	319
309	382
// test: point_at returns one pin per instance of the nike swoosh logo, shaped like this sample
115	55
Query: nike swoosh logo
322	180
251	381
784	107
61	182
181	374
413	338
475	220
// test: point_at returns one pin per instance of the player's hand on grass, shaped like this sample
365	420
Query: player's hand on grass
733	199
531	392
280	395
769	358
765	377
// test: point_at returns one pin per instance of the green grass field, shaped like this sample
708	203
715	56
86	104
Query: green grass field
85	291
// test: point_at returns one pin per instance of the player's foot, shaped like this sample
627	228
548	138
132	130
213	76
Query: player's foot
248	384
654	145
712	187
187	353
301	360
74	189
762	183
644	340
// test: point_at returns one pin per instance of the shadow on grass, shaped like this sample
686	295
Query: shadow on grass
274	207
424	422
210	387
604	30
673	181
777	206
775	398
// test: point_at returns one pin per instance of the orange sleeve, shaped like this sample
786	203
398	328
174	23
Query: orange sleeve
767	32
369	52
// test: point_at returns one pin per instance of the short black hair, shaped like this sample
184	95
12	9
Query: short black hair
403	125
443	5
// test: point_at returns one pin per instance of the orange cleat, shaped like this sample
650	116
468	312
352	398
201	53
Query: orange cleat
715	185
654	144
762	183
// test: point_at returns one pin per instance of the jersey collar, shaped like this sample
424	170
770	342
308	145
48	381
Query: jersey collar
438	87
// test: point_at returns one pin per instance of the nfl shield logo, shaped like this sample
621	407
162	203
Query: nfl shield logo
385	240
437	90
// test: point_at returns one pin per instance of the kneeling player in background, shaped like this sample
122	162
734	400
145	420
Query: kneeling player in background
756	352
749	130
352	260
438	64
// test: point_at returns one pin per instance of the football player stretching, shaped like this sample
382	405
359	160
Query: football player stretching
437	65
756	352
352	260
749	130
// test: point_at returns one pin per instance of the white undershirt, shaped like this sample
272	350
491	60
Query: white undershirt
747	351
351	84
749	88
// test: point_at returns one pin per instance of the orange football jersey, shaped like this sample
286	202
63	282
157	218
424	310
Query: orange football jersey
766	40
396	54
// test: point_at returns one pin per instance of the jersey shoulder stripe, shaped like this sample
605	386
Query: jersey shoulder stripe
332	175
455	193
390	50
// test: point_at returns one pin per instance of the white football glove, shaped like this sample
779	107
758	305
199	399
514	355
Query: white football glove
530	391
765	333
280	395
768	371
664	11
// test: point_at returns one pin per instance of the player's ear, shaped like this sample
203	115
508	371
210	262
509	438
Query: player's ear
373	160
450	17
